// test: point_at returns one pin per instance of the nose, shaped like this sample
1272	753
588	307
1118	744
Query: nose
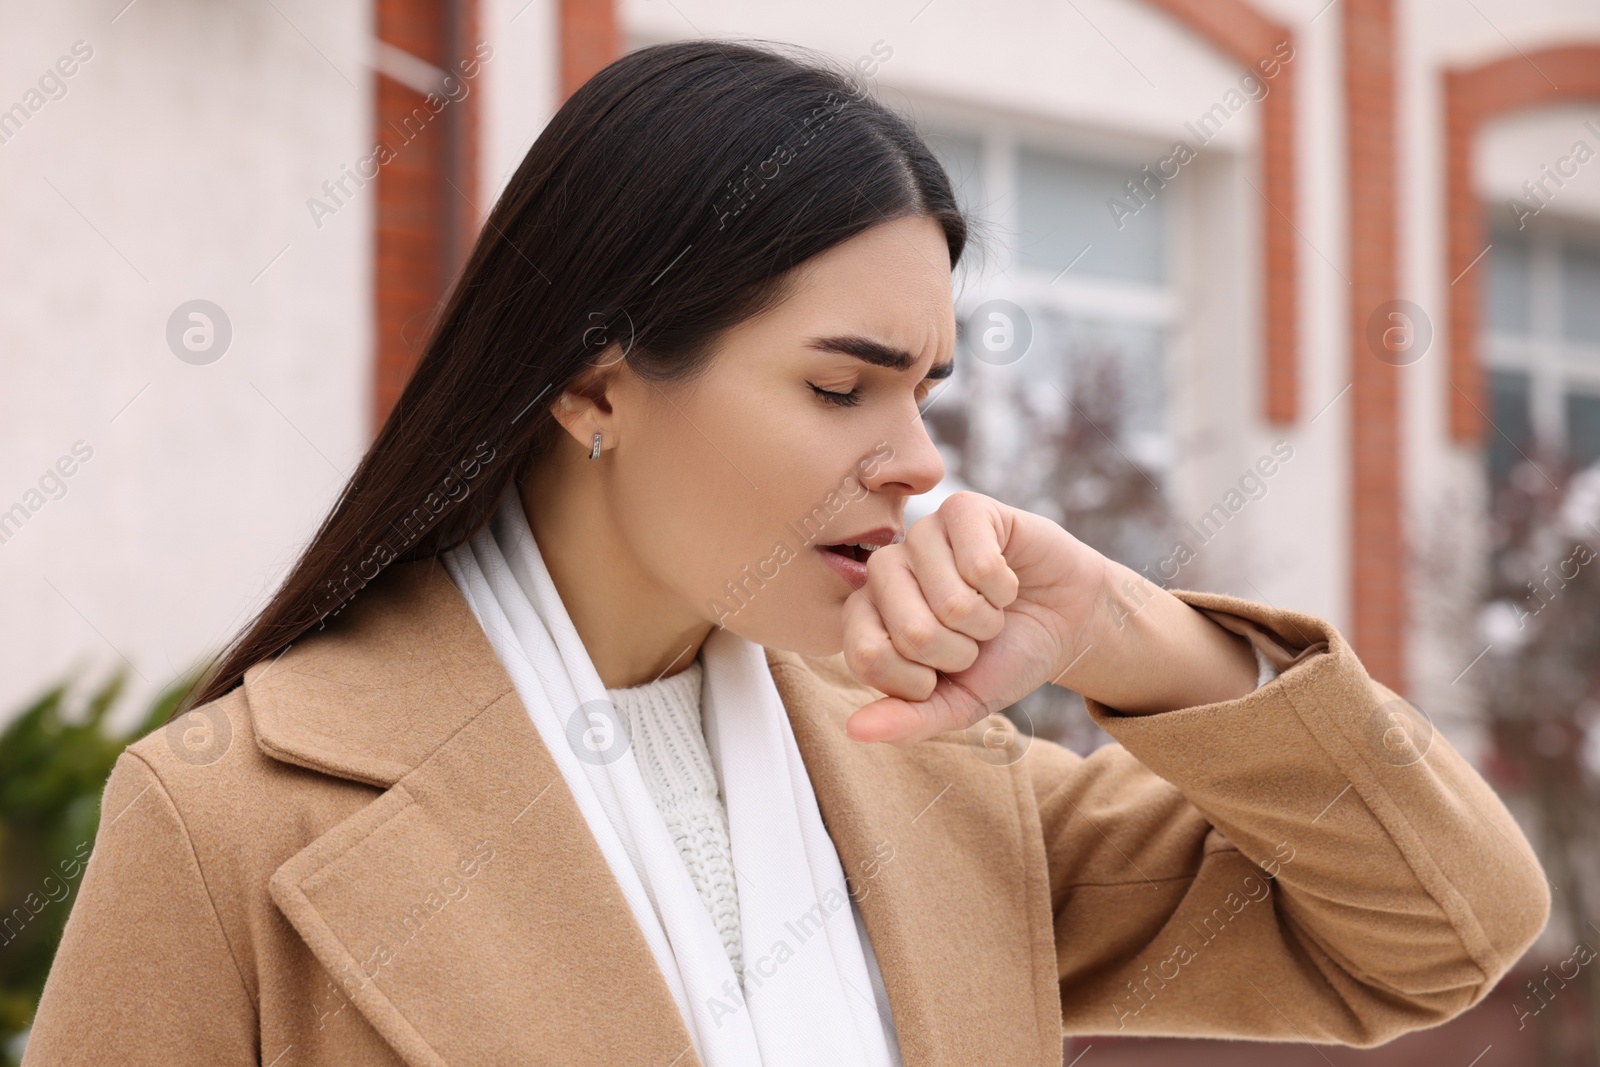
913	466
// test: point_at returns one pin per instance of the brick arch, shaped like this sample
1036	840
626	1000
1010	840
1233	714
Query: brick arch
1245	35
1473	96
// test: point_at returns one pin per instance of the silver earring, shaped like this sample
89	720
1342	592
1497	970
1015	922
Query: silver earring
594	449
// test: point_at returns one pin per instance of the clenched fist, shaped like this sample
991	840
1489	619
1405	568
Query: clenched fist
982	603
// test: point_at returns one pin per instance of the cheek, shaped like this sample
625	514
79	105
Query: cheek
723	499
695	495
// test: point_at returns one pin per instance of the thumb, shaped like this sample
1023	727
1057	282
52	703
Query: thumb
951	706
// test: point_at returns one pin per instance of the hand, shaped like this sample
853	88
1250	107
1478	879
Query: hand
983	603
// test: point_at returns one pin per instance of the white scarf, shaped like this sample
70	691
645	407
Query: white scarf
808	997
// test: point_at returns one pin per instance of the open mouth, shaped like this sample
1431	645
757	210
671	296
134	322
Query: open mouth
864	544
849	558
856	552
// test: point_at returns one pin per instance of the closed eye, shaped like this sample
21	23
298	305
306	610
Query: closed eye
847	400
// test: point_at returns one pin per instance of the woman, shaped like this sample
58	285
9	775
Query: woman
615	680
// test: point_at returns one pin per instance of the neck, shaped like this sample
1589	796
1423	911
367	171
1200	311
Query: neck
635	629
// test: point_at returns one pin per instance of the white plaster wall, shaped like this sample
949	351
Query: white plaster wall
1452	34
177	166
520	88
1114	65
1514	149
1321	435
1295	544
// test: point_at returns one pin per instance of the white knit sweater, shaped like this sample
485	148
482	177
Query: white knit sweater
663	723
666	732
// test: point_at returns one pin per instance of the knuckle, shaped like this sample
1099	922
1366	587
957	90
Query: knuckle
921	633
865	657
986	567
960	606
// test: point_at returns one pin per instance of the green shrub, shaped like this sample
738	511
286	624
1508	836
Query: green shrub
54	760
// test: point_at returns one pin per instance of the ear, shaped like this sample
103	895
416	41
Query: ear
584	409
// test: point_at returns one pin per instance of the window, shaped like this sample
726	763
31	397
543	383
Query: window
1071	256
1542	345
1077	427
1070	207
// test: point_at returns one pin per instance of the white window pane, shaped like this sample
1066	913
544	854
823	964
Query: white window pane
1583	428
1509	305
1511	412
1580	292
1066	205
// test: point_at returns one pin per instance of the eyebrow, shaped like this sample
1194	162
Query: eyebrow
878	354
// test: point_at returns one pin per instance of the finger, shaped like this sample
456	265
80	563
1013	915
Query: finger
916	632
872	657
954	603
973	532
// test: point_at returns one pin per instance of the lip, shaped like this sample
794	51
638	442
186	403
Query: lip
878	537
854	571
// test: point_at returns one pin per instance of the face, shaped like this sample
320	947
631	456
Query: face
721	491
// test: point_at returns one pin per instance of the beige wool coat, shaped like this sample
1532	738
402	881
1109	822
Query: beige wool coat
365	855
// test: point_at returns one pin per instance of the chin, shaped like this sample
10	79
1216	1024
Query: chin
811	629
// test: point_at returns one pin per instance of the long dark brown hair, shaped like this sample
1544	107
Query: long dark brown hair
662	204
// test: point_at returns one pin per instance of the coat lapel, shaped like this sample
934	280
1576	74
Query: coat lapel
941	848
469	915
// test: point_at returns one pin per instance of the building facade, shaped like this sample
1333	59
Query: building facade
1271	297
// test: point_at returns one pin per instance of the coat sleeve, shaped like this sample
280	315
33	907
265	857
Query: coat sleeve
1311	862
144	973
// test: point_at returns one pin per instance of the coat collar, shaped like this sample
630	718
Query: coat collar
469	915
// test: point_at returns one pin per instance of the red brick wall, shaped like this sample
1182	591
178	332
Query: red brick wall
1246	36
425	218
427	210
1377	547
1473	96
589	40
